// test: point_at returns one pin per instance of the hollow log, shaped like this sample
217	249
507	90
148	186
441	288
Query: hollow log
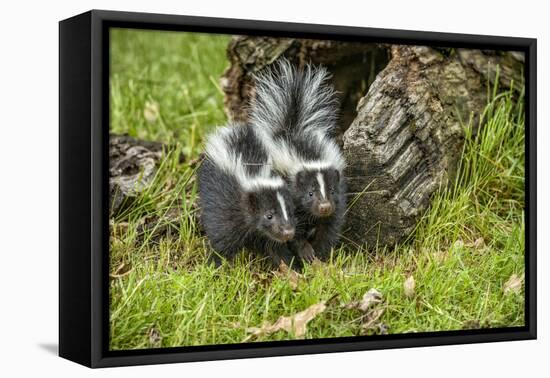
353	66
408	135
403	111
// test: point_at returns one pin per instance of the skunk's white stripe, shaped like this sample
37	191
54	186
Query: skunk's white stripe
321	181
220	152
251	184
317	165
282	203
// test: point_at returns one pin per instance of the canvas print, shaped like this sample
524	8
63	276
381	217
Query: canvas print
268	189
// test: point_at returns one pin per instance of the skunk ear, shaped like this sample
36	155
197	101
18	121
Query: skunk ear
250	200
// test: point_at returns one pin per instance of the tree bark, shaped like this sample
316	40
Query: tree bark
402	114
408	135
132	166
353	66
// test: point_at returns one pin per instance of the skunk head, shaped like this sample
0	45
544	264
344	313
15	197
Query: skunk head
271	212
317	191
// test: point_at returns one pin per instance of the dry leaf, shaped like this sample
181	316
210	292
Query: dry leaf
408	286
283	268
478	243
292	276
155	338
370	298
370	321
296	324
383	329
513	285
371	312
151	111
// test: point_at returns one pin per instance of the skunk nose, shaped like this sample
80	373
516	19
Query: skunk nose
288	233
325	208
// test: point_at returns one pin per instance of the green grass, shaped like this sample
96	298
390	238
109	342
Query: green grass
165	293
179	73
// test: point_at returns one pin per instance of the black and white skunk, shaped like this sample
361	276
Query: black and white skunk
294	114
243	204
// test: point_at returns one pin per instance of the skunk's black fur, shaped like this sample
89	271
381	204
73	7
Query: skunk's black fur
243	205
322	231
294	113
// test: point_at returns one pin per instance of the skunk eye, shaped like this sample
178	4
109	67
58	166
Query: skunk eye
269	216
310	194
332	191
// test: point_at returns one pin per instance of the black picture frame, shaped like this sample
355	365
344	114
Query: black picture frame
83	181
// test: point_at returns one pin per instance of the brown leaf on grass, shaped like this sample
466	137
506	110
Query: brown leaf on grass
295	324
370	298
283	268
121	271
151	111
478	243
293	277
370	322
383	328
369	306
408	287
155	339
513	285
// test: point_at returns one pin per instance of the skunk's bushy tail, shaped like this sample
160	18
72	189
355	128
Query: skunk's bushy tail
289	99
294	106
